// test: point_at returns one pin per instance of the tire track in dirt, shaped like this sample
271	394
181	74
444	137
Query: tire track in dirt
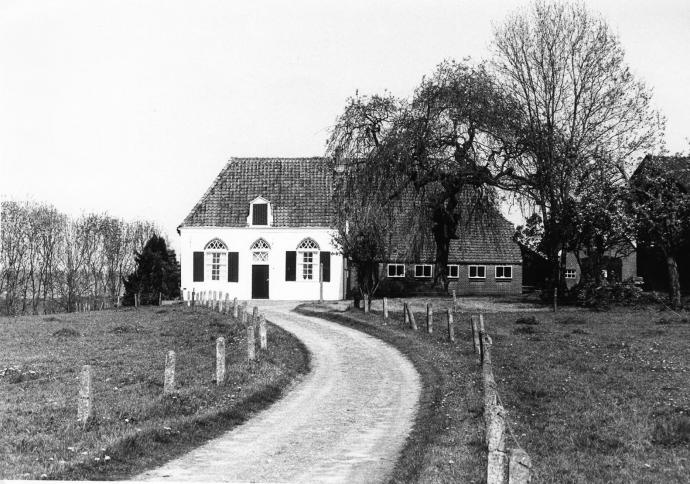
346	421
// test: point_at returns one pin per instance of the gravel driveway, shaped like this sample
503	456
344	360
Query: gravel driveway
346	421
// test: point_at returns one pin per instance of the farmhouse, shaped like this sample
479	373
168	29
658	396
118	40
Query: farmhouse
263	230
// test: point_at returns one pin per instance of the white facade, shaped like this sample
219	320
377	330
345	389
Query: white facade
280	240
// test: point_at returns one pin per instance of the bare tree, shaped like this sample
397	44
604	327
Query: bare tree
580	108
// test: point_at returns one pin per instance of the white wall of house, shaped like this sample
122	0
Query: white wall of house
281	240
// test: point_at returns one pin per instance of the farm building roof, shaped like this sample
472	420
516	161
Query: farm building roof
676	167
300	191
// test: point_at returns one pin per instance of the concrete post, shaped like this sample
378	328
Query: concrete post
366	304
495	436
475	332
385	308
451	328
220	361
255	316
410	313
519	467
84	404
455	300
251	343
235	309
169	382
263	337
406	318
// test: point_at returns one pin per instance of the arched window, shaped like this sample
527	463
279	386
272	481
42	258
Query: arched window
260	250
216	260
307	258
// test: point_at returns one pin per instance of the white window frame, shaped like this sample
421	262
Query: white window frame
477	277
503	277
216	248
423	267
571	273
269	218
388	270
450	268
308	248
260	250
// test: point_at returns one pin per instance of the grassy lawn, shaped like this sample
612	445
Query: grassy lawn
597	397
445	444
135	427
592	397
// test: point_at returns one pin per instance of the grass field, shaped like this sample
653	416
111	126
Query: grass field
592	396
135	427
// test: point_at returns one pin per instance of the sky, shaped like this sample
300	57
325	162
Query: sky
133	107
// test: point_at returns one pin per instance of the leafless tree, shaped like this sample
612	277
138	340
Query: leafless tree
581	110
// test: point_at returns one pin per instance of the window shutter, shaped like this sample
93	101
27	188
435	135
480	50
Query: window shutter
325	259
233	262
290	265
198	267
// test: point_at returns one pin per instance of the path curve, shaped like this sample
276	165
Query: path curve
346	421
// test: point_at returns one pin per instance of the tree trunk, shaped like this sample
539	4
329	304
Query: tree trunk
673	281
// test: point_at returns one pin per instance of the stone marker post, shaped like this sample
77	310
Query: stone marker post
220	361
519	467
451	329
169	381
263	337
84	404
429	318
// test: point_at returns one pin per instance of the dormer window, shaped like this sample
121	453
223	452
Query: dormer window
260	213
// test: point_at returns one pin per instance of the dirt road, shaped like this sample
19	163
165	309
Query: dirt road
346	421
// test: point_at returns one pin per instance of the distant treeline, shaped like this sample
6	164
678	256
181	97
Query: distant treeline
50	262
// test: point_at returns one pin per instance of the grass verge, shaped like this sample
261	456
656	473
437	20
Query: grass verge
445	444
135	428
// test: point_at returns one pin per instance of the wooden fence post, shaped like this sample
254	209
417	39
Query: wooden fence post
255	316
429	318
169	382
413	322
193	296
455	300
84	404
406	318
495	436
263	337
220	361
234	308
475	332
385	308
243	314
451	329
160	298
519	467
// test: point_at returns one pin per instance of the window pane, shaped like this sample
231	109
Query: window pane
427	271
400	268
508	272
481	271
499	271
473	271
391	270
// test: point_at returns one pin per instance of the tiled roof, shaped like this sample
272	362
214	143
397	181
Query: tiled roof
482	237
299	190
677	167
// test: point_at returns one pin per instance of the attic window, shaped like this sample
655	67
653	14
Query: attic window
260	214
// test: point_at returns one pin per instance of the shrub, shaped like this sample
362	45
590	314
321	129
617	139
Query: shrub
589	294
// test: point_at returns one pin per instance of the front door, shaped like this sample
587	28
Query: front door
259	282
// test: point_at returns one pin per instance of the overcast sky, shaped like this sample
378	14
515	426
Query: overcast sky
133	107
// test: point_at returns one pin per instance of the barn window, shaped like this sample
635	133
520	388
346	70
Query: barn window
396	270
423	270
504	272
216	258
307	253
477	272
